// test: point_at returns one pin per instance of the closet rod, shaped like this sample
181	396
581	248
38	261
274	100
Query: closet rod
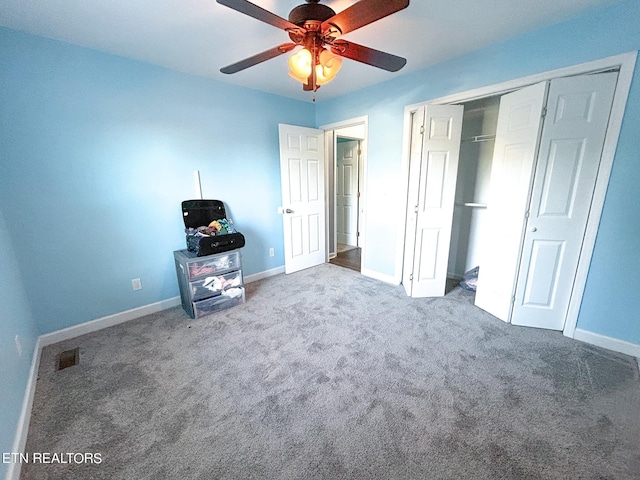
479	138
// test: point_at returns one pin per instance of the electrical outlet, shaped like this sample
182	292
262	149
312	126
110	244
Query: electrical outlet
18	345
272	252
136	283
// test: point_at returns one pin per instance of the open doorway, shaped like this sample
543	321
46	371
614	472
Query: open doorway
346	143
347	199
469	220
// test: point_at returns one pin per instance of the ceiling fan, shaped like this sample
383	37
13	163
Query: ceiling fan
315	27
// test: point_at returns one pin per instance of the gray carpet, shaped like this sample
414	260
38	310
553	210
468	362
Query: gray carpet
326	374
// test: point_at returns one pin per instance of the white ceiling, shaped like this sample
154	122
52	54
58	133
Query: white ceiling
200	36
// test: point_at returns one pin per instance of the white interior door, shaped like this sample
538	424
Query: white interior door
517	134
432	187
303	202
566	172
347	192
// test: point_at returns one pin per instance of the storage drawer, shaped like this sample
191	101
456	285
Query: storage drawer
215	284
230	298
214	264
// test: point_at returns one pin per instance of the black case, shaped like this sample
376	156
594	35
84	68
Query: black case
198	213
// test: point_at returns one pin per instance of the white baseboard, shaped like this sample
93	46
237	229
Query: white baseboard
105	322
266	274
380	276
610	343
20	441
117	318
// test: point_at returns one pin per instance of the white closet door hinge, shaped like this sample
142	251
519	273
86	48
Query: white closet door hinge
415	209
421	129
411	277
544	112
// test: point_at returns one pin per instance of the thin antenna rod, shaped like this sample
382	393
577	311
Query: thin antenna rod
196	181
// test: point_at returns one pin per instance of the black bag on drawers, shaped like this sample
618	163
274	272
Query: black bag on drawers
200	213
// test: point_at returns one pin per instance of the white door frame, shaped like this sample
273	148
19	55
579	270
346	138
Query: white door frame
626	64
330	137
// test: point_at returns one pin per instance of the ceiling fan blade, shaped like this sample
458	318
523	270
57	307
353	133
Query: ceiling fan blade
259	58
370	56
259	13
363	13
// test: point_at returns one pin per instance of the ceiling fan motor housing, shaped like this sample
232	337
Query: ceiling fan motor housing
310	11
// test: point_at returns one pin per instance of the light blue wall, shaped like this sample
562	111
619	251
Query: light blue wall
15	319
611	300
97	154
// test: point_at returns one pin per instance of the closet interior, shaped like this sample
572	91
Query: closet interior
472	187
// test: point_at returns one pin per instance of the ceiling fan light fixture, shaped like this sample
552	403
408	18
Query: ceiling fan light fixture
298	77
329	64
300	65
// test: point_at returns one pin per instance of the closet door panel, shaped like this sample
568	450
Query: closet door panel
426	269
518	131
565	160
417	124
570	151
541	284
432	186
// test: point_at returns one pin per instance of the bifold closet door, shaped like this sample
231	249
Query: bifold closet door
433	170
518	130
570	151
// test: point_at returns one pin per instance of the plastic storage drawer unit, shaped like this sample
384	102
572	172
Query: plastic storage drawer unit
214	284
229	298
209	284
213	264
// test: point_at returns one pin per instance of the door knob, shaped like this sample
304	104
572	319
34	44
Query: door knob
533	229
288	210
